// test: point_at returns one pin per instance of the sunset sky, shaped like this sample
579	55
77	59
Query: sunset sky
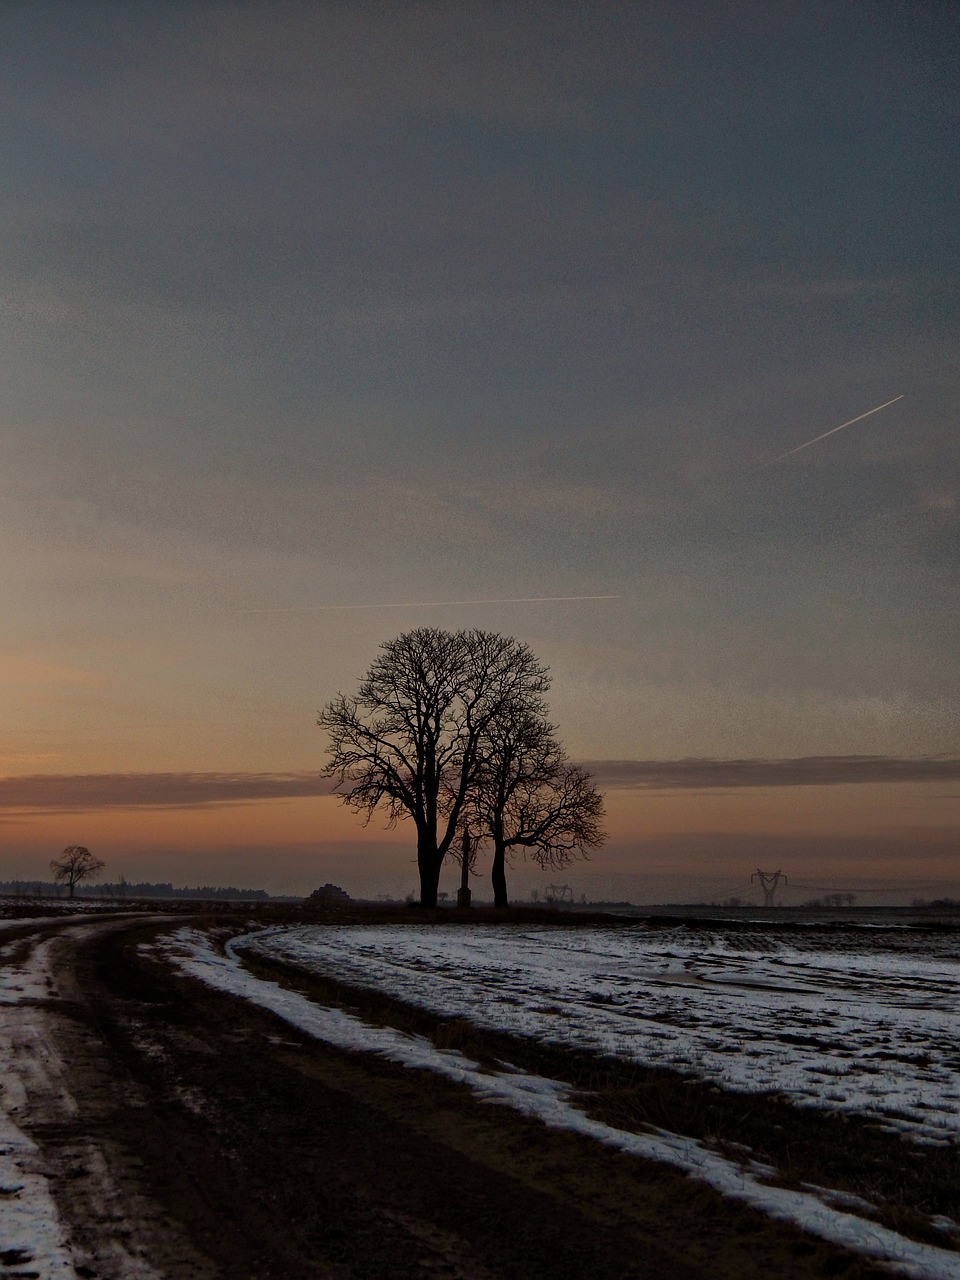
321	321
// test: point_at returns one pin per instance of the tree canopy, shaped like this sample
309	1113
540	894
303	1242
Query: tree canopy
448	729
409	740
76	863
529	796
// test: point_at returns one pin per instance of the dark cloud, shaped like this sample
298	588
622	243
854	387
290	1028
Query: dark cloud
72	793
807	771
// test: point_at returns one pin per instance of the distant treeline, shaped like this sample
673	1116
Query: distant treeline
127	889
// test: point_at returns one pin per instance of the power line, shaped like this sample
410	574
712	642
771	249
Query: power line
839	888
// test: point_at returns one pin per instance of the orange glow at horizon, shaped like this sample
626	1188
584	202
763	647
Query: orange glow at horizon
861	809
705	825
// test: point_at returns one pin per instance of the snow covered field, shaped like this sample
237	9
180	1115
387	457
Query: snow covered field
842	1219
851	1019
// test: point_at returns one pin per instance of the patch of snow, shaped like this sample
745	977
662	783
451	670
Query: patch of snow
550	1102
856	1021
33	1079
30	1228
27	922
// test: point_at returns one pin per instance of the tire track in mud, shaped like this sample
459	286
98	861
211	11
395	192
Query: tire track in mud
208	1140
92	1218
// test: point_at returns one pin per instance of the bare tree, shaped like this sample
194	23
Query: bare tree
409	741
528	796
76	863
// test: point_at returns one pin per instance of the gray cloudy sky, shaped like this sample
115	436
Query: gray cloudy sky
330	304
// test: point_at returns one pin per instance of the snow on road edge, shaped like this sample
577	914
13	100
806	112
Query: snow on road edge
549	1101
31	1230
34	1238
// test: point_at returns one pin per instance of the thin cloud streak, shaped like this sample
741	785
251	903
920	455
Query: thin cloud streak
806	771
428	604
73	793
832	431
40	793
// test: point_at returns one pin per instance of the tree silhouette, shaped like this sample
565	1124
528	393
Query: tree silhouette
76	863
527	795
409	741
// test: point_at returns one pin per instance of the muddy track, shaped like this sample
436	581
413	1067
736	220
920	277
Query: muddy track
206	1140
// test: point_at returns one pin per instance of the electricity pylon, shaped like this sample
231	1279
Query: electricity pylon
768	881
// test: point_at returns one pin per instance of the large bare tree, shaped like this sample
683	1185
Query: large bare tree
76	863
408	742
528	796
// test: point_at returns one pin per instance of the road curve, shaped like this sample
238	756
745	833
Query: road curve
185	1135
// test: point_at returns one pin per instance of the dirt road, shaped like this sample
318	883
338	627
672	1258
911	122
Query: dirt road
184	1134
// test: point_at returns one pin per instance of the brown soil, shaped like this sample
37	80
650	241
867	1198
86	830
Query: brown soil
233	1146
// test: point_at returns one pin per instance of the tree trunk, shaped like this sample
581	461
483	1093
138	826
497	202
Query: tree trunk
498	876
463	895
429	862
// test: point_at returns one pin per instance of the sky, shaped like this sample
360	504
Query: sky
322	322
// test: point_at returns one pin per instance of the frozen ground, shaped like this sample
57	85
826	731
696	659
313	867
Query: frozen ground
36	1090
549	1100
30	1228
860	1020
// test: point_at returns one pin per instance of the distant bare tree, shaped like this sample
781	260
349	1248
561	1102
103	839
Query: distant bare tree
76	863
409	741
528	796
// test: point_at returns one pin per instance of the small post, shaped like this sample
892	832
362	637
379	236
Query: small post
463	893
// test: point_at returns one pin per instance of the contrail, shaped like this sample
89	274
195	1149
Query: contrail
832	431
427	604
